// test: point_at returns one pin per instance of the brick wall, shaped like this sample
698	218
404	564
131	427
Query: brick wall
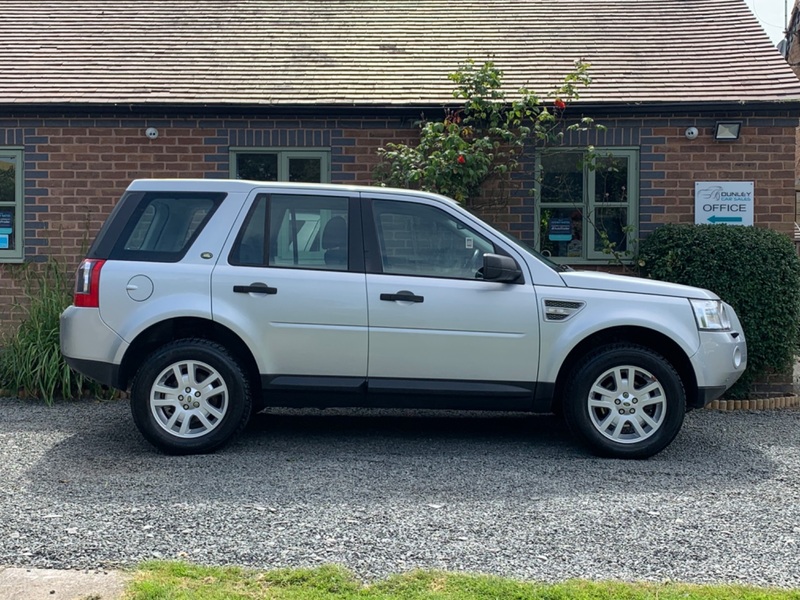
670	164
76	168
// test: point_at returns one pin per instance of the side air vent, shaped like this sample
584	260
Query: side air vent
561	310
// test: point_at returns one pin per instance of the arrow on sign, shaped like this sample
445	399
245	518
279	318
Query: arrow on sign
716	219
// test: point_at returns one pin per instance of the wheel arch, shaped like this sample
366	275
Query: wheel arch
170	330
641	336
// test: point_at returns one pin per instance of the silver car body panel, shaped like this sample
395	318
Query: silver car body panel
463	330
286	331
176	292
668	315
86	336
592	280
332	323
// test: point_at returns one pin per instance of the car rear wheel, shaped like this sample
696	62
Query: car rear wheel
190	397
625	401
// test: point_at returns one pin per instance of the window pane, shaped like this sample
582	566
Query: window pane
7	237
8	179
611	223
305	170
11	208
164	226
561	232
250	245
257	167
309	232
562	177
167	224
137	237
422	240
611	179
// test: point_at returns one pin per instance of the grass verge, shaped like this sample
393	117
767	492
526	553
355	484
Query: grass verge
181	581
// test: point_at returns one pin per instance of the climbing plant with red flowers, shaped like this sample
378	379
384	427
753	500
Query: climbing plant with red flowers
484	137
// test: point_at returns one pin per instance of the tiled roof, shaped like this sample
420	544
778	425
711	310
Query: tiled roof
380	52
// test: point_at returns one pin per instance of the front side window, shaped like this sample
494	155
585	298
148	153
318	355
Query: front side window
306	232
264	164
416	239
587	206
11	203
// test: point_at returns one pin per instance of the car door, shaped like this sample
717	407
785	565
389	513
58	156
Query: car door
433	323
293	287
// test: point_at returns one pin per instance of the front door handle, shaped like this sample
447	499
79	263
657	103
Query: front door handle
255	288
402	296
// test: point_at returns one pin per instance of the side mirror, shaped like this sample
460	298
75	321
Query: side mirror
499	268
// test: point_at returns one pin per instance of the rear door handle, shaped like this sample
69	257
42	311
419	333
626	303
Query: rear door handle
402	296
255	288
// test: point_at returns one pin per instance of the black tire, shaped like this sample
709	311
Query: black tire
624	401
202	420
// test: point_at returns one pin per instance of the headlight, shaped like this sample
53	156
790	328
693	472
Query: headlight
710	315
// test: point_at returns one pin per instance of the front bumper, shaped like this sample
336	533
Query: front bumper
706	395
719	362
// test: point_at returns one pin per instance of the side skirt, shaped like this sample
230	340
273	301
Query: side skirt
298	391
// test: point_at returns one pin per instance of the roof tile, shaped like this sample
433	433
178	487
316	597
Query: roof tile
378	52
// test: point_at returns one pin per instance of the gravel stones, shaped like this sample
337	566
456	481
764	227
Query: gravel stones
390	491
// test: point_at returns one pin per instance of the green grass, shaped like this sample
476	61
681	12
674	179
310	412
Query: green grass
180	581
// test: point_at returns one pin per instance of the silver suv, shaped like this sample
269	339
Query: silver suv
209	298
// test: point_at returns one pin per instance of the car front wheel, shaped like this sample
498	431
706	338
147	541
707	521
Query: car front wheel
625	401
190	397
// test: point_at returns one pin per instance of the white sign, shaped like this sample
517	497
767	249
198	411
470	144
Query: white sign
726	202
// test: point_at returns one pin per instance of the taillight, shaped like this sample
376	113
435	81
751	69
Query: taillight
87	283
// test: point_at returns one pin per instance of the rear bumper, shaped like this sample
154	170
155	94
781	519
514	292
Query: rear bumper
105	373
91	347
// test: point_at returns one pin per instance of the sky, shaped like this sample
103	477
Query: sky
770	13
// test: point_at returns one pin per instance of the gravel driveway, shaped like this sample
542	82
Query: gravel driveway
509	495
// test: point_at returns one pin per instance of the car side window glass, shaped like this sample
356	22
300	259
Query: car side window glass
162	227
308	232
417	239
249	249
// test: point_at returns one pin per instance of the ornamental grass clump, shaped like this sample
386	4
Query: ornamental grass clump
755	270
31	364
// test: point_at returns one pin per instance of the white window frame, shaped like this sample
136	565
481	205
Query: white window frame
284	156
17	254
589	204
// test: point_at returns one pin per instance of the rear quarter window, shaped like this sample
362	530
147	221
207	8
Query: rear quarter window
159	227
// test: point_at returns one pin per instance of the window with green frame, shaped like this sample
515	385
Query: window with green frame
585	203
11	205
270	164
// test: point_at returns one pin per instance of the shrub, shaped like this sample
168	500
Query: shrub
755	270
31	361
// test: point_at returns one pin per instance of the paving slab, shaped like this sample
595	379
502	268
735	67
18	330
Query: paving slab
35	584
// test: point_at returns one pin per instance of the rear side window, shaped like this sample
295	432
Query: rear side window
303	232
161	227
